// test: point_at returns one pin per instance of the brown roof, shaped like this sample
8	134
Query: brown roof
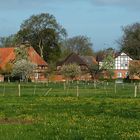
80	60
89	60
72	58
8	55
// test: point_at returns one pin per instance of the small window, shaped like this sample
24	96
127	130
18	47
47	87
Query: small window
122	64
36	75
126	64
119	74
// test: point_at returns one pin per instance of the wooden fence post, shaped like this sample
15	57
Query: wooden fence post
135	92
94	84
34	89
105	88
115	88
19	90
64	86
107	83
4	90
77	89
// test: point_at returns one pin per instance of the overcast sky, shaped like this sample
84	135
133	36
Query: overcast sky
100	20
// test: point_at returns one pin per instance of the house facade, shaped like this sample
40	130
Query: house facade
7	55
122	61
121	65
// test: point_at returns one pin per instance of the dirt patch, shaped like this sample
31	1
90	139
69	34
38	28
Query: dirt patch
15	121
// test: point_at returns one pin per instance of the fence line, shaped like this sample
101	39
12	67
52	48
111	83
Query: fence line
85	89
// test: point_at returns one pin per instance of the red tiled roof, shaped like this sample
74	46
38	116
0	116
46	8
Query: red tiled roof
35	57
8	55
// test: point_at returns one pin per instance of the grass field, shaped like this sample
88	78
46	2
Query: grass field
99	113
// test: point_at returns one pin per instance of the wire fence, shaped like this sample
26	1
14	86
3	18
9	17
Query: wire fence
80	89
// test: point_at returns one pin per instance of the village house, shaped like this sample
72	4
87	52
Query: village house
121	66
82	61
7	55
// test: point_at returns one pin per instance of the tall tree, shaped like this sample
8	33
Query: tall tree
130	42
78	44
103	53
44	34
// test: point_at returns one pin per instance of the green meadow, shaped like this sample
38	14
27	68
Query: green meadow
52	111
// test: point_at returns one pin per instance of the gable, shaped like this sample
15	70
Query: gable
123	54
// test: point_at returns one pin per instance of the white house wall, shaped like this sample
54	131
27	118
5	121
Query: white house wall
122	62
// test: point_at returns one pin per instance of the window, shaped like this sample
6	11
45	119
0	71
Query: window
36	75
126	64
119	74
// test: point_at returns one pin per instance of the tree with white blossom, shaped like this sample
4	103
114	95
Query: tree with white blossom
23	69
71	71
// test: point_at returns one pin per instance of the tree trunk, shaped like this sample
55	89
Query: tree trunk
41	49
